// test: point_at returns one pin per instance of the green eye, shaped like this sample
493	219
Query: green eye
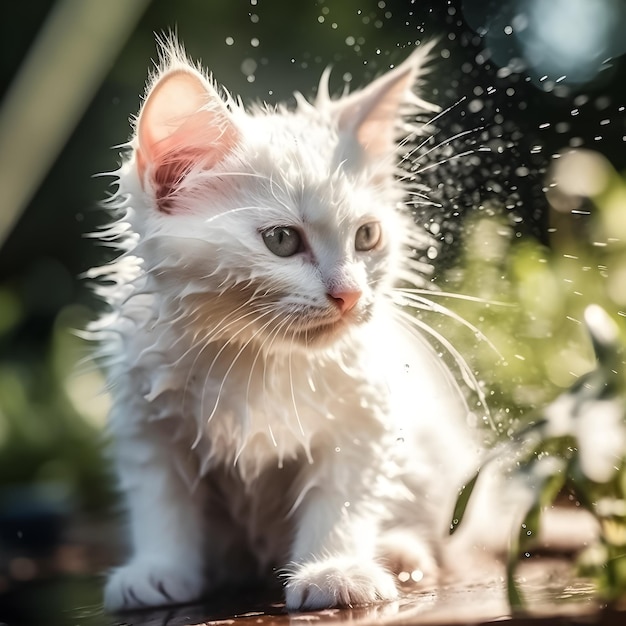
367	237
283	240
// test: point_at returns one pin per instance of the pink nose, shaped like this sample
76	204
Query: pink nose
345	300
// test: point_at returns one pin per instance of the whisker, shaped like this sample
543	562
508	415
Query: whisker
405	157
231	211
239	353
432	120
465	370
230	367
440	114
258	332
420	302
228	370
274	336
458	155
441	144
253	365
209	175
207	340
291	385
282	203
413	327
426	201
457	296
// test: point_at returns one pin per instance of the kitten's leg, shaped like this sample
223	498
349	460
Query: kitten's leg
334	553
165	525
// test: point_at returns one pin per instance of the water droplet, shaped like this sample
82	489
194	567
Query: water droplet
417	575
248	67
603	102
475	105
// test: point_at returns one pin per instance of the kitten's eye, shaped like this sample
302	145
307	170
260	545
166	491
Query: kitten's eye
367	236
283	240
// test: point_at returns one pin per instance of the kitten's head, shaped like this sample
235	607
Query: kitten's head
280	227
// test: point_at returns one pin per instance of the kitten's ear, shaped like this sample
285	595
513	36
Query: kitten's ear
372	116
183	125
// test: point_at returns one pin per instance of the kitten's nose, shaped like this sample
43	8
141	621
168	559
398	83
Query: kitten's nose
345	300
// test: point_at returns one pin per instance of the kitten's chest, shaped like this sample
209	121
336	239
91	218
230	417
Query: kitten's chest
259	412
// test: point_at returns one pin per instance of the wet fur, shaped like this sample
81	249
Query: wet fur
256	433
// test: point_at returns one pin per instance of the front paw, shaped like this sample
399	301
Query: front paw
338	582
148	583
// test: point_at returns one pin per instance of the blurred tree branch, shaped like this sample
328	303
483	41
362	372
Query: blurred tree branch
58	78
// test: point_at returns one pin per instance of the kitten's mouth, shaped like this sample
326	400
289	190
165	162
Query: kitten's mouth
308	327
312	333
318	331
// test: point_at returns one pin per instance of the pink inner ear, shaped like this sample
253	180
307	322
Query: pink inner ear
376	131
183	125
198	144
372	115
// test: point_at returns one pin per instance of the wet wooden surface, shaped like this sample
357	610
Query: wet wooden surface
57	587
553	596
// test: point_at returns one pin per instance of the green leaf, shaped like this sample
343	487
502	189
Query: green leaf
529	530
552	487
461	502
527	533
513	593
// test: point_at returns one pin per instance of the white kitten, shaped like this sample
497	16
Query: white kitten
274	410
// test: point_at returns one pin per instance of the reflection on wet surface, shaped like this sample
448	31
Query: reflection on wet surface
548	586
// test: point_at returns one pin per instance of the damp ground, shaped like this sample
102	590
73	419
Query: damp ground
61	589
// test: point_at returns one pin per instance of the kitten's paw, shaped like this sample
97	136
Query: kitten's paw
149	583
411	559
338	582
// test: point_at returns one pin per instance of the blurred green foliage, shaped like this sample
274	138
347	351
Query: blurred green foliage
533	297
51	415
561	405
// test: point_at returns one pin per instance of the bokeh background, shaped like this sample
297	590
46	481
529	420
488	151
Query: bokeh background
533	231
